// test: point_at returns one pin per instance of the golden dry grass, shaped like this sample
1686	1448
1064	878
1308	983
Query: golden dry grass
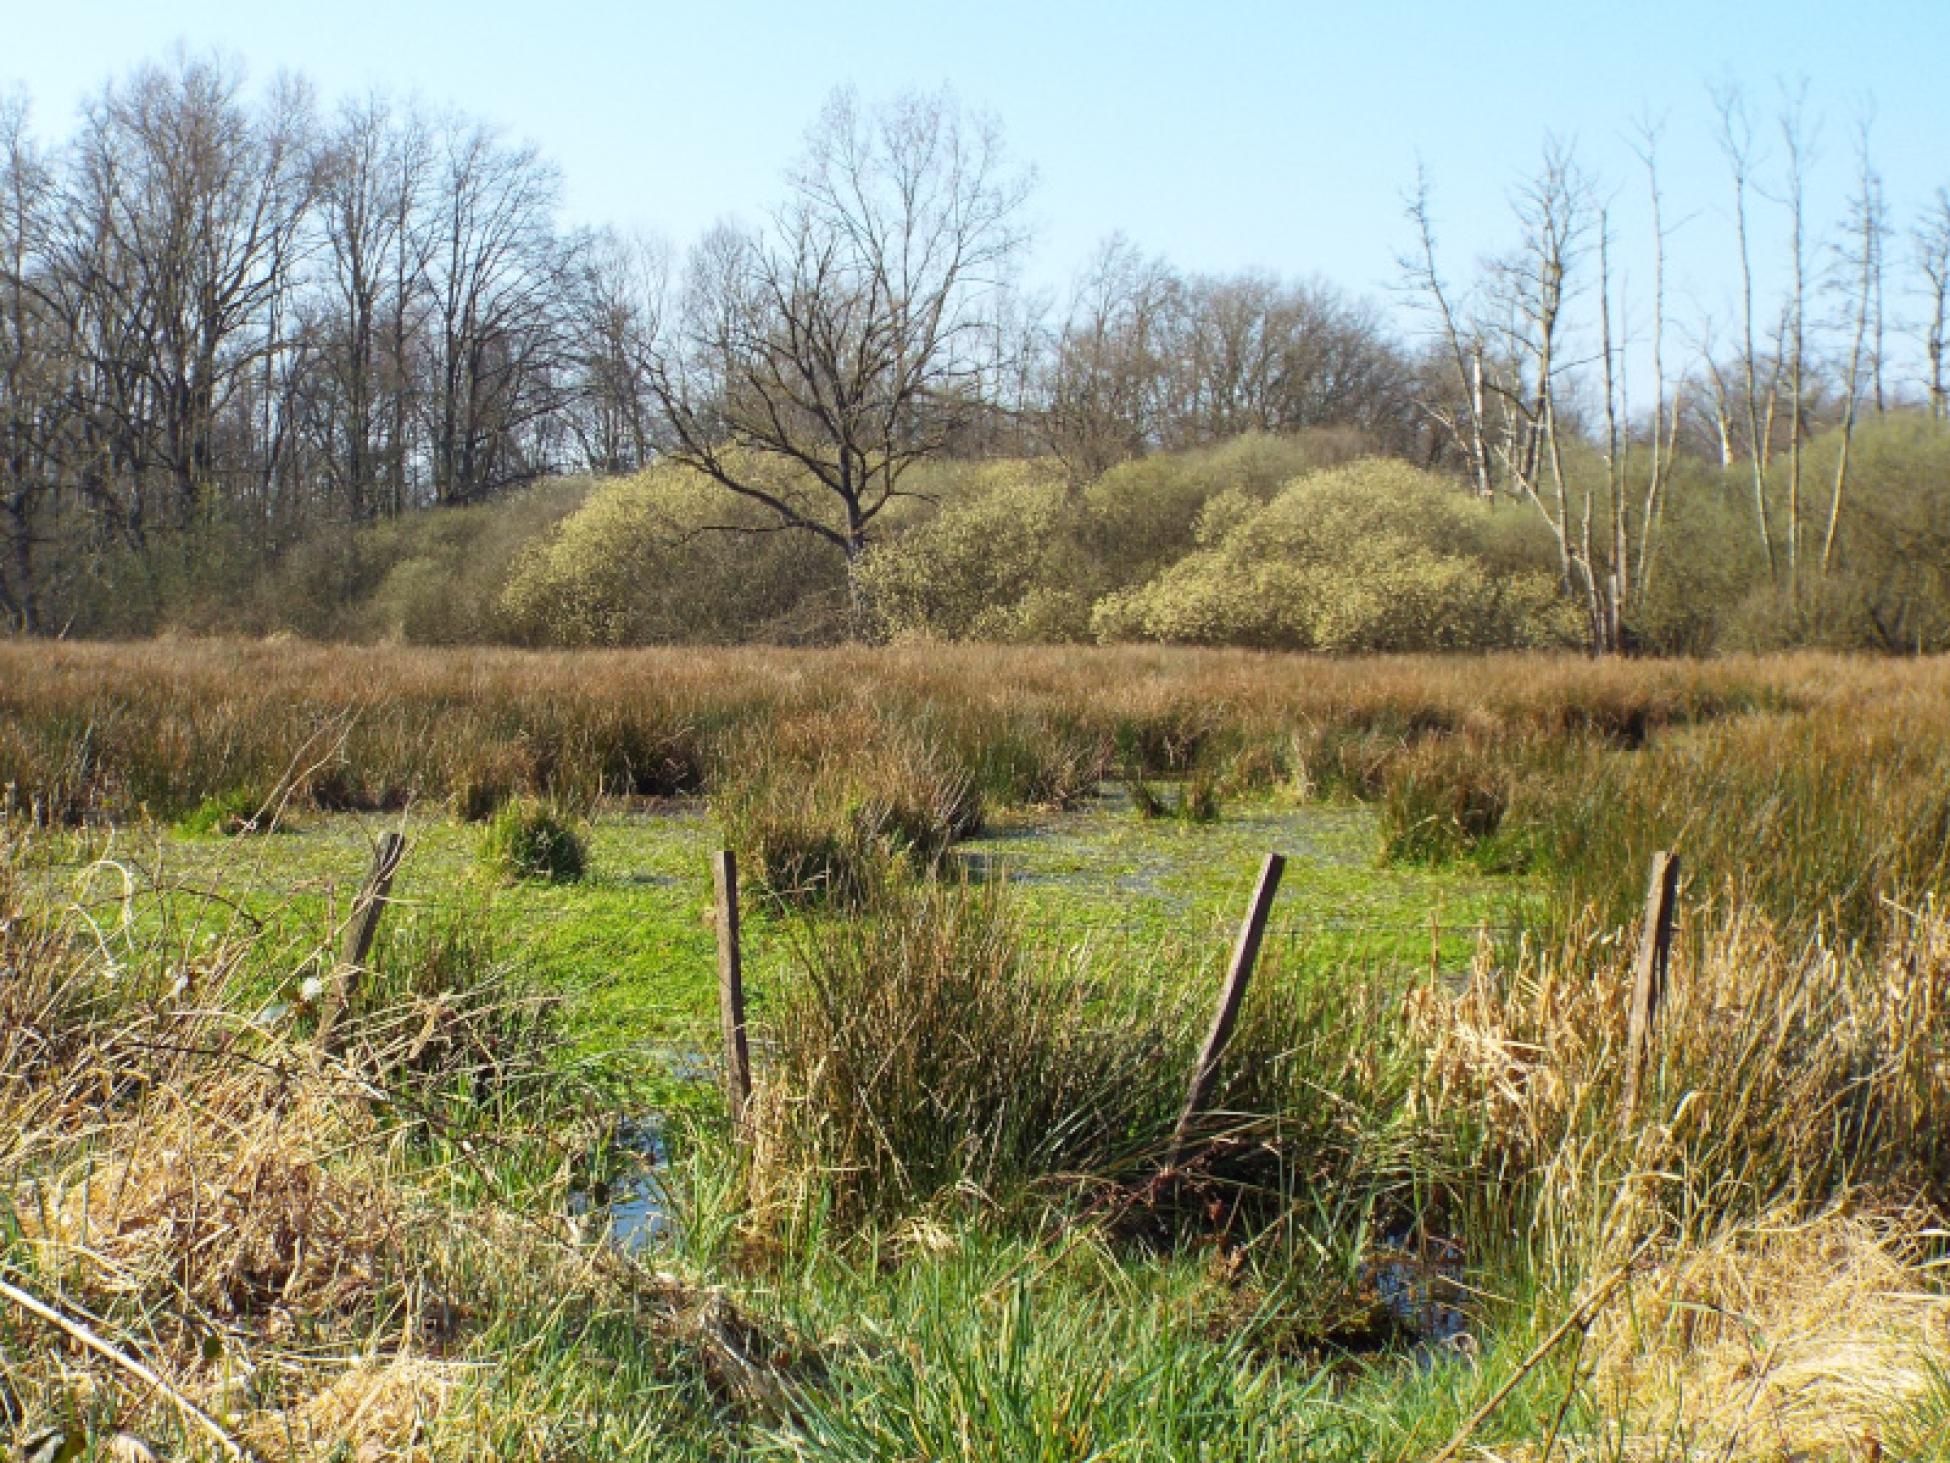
1796	1336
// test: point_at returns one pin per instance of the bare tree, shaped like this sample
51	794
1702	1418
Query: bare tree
1665	414
817	360
29	366
613	412
1737	145
1466	419
1516	377
370	172
1932	245
1103	377
1860	263
203	207
1508	353
498	283
1793	347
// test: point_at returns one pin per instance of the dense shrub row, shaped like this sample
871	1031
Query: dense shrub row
1281	542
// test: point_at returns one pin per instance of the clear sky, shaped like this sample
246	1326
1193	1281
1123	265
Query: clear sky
1222	135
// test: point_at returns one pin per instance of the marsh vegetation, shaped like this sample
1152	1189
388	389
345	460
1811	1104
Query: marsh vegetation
979	975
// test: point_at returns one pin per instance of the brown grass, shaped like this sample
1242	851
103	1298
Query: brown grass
107	729
1809	1337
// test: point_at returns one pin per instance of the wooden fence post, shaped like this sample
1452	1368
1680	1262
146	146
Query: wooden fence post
1649	977
731	989
360	932
1245	953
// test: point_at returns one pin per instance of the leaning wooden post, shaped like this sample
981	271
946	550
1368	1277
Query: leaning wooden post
1649	977
1245	953
360	932
731	989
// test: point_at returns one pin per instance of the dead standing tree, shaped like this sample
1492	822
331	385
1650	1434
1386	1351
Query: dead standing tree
1507	341
1932	244
1859	265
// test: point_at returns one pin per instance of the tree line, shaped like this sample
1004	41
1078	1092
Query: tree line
235	322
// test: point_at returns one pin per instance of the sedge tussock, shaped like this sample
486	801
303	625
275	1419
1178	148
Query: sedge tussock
1782	1071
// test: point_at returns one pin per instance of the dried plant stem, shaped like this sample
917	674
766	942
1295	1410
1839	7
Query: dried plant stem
77	1332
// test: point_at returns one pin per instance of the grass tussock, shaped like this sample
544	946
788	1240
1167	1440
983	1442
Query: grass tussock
1442	801
823	811
929	1056
527	840
923	1050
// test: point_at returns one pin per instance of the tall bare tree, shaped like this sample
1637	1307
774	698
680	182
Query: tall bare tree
612	412
815	361
1512	343
1932	245
1737	146
30	367
499	282
1463	414
1859	262
1103	375
372	174
1667	408
1793	346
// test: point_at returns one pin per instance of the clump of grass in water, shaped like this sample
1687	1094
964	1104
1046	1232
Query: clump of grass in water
1198	800
813	828
920	1049
1441	802
928	1048
530	840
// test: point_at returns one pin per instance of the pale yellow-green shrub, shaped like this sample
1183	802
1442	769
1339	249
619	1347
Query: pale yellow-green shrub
667	556
1144	514
982	566
1373	556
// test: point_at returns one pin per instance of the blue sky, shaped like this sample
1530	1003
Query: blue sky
1224	135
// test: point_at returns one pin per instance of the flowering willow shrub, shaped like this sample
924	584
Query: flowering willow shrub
1374	556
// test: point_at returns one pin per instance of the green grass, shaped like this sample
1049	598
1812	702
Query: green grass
632	948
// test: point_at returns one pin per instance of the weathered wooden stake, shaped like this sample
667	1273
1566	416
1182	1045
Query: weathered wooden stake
360	931
731	989
1649	978
1245	954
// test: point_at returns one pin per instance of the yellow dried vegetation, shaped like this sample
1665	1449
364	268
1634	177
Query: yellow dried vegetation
1788	1338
